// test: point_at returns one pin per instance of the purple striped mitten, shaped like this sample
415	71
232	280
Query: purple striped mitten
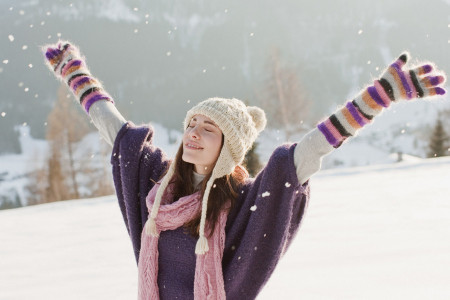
66	62
396	83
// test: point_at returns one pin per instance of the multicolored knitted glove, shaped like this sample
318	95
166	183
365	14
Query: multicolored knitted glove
66	62
396	83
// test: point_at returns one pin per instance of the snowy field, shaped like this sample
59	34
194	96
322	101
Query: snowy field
378	232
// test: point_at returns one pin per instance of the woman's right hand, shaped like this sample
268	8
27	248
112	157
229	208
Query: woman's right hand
65	60
55	54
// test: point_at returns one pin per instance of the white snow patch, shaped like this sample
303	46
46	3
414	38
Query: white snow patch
265	194
359	239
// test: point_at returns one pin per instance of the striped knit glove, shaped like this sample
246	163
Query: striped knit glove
396	83
66	62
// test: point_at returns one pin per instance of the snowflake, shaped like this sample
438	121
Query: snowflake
287	184
265	194
253	208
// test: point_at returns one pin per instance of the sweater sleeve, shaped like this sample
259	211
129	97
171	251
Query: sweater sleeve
262	224
107	119
136	165
309	153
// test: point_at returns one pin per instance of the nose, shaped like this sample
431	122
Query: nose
194	133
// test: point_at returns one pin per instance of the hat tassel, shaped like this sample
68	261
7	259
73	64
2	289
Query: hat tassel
202	245
150	227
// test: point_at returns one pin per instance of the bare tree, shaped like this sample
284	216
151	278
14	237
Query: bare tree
283	97
65	127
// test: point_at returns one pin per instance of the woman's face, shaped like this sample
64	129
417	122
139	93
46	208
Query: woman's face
202	142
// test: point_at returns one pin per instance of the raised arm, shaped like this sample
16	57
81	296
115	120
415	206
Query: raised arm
398	82
66	62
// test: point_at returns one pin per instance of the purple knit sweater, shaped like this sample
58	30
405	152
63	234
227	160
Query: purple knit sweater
259	229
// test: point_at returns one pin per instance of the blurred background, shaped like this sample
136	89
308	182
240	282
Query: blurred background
297	59
378	222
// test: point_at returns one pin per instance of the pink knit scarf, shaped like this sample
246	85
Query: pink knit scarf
208	281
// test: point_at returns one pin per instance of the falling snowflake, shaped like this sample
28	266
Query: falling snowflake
256	248
49	13
58	34
136	30
265	235
168	53
265	194
146	16
253	208
21	12
26	89
3	114
204	70
252	34
42	23
24	124
287	184
369	62
31	25
11	38
233	247
30	66
360	31
214	186
5	61
24	47
135	9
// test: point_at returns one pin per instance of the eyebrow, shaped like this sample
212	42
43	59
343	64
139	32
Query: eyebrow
206	121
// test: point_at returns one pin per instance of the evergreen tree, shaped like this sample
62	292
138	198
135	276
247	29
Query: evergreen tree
438	144
251	161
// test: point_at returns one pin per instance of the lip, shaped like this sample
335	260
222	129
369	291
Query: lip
193	146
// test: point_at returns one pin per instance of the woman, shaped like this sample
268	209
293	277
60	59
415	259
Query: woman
200	227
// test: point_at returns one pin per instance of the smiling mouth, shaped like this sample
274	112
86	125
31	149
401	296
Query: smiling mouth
191	146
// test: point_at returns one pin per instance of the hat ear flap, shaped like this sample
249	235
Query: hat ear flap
224	163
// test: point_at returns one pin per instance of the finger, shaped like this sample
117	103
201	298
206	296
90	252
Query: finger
439	91
434	91
424	69
401	61
431	81
51	53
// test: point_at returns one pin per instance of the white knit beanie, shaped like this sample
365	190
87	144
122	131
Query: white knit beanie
240	125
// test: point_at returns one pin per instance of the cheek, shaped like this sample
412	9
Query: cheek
217	144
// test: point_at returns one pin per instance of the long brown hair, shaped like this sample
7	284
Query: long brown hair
225	189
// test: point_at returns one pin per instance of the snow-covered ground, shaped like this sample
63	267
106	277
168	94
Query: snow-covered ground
377	232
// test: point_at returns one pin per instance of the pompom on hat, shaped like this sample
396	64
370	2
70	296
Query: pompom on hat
240	126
